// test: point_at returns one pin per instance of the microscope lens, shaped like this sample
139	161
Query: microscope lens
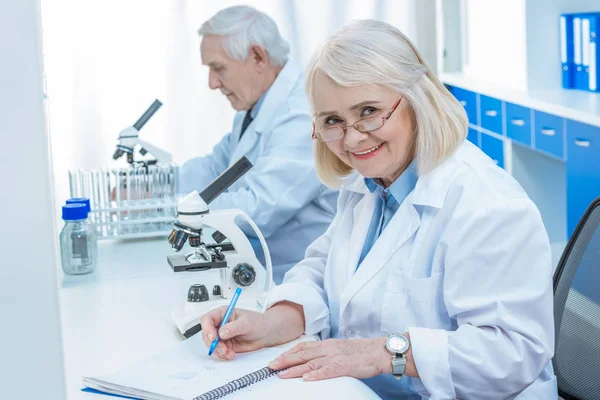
118	153
173	236
194	241
180	239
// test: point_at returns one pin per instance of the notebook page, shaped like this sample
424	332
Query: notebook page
183	372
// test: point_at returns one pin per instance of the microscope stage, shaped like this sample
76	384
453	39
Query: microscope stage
180	262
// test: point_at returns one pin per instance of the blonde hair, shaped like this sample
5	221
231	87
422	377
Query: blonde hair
370	52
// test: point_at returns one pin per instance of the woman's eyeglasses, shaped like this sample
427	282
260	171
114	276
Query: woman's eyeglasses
363	125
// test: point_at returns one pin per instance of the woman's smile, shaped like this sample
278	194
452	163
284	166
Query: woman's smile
367	153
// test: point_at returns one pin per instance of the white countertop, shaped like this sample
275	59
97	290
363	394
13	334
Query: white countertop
577	105
122	312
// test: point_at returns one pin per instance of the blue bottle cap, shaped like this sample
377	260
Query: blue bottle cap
81	200
74	211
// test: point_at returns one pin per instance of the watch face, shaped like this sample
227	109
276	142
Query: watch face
398	343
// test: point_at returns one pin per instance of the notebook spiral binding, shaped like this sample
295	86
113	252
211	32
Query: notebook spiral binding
239	383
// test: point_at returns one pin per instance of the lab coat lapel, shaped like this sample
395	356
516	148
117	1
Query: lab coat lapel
399	230
361	217
277	94
247	142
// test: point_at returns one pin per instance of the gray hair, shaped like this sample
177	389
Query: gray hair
372	52
244	26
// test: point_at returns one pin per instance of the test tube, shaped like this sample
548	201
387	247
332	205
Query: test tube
139	195
129	190
153	196
103	203
72	184
94	196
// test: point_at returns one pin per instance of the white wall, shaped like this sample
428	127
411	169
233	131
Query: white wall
31	365
496	49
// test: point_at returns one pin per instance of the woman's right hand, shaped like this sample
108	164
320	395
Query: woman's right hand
245	331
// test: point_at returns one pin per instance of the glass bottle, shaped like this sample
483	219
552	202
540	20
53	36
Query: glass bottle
78	246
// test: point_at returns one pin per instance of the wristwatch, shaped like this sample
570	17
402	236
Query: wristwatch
397	345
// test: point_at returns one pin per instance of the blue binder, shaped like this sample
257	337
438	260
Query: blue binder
581	78
593	53
566	51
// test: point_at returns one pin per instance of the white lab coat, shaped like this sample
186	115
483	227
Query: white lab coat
464	266
282	192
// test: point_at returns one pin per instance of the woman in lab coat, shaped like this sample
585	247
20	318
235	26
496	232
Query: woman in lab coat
436	257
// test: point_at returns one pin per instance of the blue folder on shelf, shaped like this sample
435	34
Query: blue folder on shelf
566	51
593	54
579	53
580	76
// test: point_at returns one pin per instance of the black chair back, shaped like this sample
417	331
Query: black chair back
577	311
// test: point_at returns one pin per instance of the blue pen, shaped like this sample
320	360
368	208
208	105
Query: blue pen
234	300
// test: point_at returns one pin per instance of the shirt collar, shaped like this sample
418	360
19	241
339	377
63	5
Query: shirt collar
400	188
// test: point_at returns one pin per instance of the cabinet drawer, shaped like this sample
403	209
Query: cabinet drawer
549	135
491	114
469	101
494	148
518	123
473	137
583	170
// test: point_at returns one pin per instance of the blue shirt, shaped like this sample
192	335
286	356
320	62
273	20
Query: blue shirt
388	202
256	108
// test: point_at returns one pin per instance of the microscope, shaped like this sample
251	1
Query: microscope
229	260
129	139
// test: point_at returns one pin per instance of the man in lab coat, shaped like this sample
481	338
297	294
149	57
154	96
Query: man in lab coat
248	62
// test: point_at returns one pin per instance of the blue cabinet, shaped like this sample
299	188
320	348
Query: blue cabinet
473	137
494	148
494	121
518	123
491	114
583	170
549	135
469	101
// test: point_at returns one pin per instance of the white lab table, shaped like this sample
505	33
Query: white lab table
122	312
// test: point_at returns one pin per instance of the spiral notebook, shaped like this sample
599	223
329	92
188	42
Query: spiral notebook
186	372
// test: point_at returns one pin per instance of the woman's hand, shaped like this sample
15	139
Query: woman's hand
250	330
332	358
245	331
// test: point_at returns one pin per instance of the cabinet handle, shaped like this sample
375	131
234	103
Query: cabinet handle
464	103
582	143
517	122
491	113
548	132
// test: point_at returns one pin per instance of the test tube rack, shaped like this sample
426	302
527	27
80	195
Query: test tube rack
133	202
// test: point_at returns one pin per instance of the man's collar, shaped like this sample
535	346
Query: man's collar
278	93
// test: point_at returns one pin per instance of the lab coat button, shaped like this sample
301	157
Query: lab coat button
350	333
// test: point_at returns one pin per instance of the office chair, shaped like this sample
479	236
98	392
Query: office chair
577	311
